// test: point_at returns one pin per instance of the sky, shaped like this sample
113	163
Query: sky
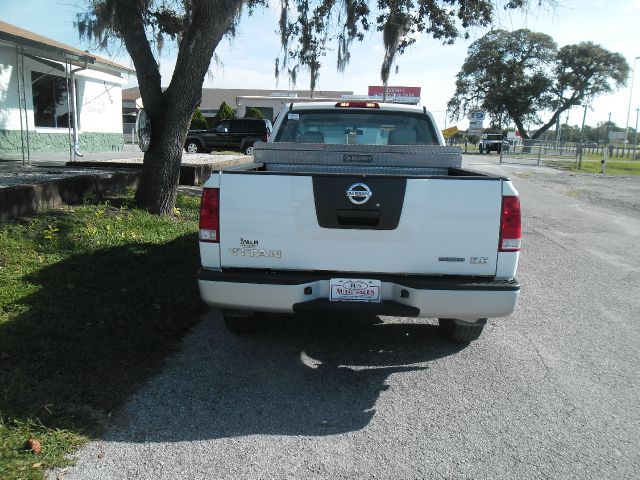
247	61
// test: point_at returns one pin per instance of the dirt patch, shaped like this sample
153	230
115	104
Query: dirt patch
620	193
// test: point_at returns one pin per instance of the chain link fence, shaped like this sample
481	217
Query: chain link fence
539	152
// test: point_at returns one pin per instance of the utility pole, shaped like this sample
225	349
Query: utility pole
635	140
584	117
568	127
559	127
606	132
633	76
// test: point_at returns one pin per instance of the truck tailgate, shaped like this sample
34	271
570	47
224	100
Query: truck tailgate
428	226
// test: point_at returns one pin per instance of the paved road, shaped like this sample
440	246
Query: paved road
551	392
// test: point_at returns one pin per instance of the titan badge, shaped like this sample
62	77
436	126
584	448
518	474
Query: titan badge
255	252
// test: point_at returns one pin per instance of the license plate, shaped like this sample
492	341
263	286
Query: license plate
354	290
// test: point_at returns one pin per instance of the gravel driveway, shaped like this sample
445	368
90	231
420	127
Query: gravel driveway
551	392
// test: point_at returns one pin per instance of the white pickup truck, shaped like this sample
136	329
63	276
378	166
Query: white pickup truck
359	207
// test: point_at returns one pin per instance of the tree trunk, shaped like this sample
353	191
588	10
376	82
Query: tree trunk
161	168
170	111
523	133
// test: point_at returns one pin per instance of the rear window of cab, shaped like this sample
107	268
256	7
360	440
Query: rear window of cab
357	127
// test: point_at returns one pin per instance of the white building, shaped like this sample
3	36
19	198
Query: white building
56	98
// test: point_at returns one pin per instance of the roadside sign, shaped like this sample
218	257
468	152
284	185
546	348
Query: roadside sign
475	127
479	115
449	132
613	136
398	94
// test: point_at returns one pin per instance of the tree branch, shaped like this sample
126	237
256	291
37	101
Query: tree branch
554	119
130	25
210	21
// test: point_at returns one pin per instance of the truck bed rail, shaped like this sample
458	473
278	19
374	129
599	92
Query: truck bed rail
281	155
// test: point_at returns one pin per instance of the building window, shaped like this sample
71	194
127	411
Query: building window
50	105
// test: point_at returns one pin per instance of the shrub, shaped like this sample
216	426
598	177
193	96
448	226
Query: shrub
253	112
225	112
198	122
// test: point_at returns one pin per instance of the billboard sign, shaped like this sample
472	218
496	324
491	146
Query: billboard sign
616	136
396	94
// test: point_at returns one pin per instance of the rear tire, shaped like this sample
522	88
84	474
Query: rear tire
248	150
242	325
458	331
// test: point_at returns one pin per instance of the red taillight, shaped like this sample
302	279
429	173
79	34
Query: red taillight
510	229
210	215
357	105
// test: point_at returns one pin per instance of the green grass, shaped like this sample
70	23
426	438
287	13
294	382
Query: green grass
93	298
597	156
613	167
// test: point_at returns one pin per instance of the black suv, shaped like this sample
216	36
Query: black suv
236	134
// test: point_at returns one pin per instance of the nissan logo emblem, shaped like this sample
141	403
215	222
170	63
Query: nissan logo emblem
359	193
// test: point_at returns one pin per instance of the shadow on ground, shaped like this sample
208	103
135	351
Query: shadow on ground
302	375
99	325
96	327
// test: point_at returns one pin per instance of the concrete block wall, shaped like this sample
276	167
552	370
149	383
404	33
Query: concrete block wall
11	143
22	200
